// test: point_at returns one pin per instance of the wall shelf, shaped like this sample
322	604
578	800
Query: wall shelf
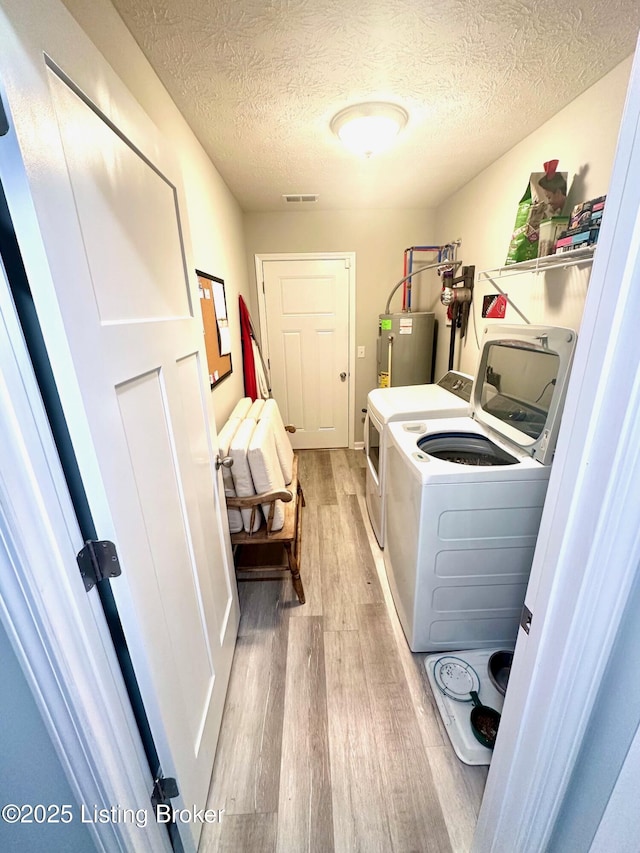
537	265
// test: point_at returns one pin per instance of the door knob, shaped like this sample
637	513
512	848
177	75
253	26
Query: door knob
227	462
343	376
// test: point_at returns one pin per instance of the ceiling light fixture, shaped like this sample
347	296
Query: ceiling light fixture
369	128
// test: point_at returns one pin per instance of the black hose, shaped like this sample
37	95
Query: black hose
452	340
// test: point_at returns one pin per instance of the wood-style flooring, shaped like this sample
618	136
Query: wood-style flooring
330	739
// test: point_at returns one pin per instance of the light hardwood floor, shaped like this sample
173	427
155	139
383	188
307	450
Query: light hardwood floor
330	739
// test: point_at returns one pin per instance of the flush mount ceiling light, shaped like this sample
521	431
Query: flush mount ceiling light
369	128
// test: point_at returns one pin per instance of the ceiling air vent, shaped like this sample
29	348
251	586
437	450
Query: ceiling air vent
296	198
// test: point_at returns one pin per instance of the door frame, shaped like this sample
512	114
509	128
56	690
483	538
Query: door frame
587	556
350	260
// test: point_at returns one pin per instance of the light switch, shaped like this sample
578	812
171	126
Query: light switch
360	352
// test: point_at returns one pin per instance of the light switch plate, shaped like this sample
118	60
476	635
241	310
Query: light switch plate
360	352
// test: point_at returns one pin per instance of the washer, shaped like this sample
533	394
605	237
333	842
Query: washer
447	398
464	496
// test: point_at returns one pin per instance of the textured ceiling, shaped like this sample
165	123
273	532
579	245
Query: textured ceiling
259	80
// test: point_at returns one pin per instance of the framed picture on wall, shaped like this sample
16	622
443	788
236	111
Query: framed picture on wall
215	321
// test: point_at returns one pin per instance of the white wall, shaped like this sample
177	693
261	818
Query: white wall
378	237
583	137
215	218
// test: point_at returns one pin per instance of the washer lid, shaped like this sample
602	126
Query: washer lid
521	383
404	402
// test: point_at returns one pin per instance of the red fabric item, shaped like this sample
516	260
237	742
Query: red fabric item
250	384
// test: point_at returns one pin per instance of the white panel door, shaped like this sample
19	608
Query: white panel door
96	203
307	329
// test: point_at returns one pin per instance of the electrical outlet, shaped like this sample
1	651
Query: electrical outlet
360	352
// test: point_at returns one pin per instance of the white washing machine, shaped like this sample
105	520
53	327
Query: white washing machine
447	398
464	496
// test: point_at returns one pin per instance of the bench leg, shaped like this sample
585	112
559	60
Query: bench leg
295	573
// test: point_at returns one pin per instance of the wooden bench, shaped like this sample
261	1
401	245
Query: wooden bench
266	554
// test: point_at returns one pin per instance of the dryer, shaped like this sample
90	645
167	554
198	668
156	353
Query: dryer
464	496
447	398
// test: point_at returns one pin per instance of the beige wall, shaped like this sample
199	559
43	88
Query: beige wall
215	218
583	137
378	237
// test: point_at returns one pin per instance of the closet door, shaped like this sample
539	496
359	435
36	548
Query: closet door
96	203
306	317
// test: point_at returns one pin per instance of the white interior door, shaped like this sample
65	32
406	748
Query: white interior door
305	334
107	257
584	576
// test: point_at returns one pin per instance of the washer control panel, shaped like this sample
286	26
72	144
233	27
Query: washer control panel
457	383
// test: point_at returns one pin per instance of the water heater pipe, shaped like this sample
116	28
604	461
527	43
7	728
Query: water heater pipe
408	268
404	289
452	265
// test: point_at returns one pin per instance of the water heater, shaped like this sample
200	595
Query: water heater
405	348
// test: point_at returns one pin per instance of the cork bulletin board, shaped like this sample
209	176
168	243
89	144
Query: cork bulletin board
217	338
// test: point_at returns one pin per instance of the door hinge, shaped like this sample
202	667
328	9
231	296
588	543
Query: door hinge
347	263
164	789
98	560
263	290
525	619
